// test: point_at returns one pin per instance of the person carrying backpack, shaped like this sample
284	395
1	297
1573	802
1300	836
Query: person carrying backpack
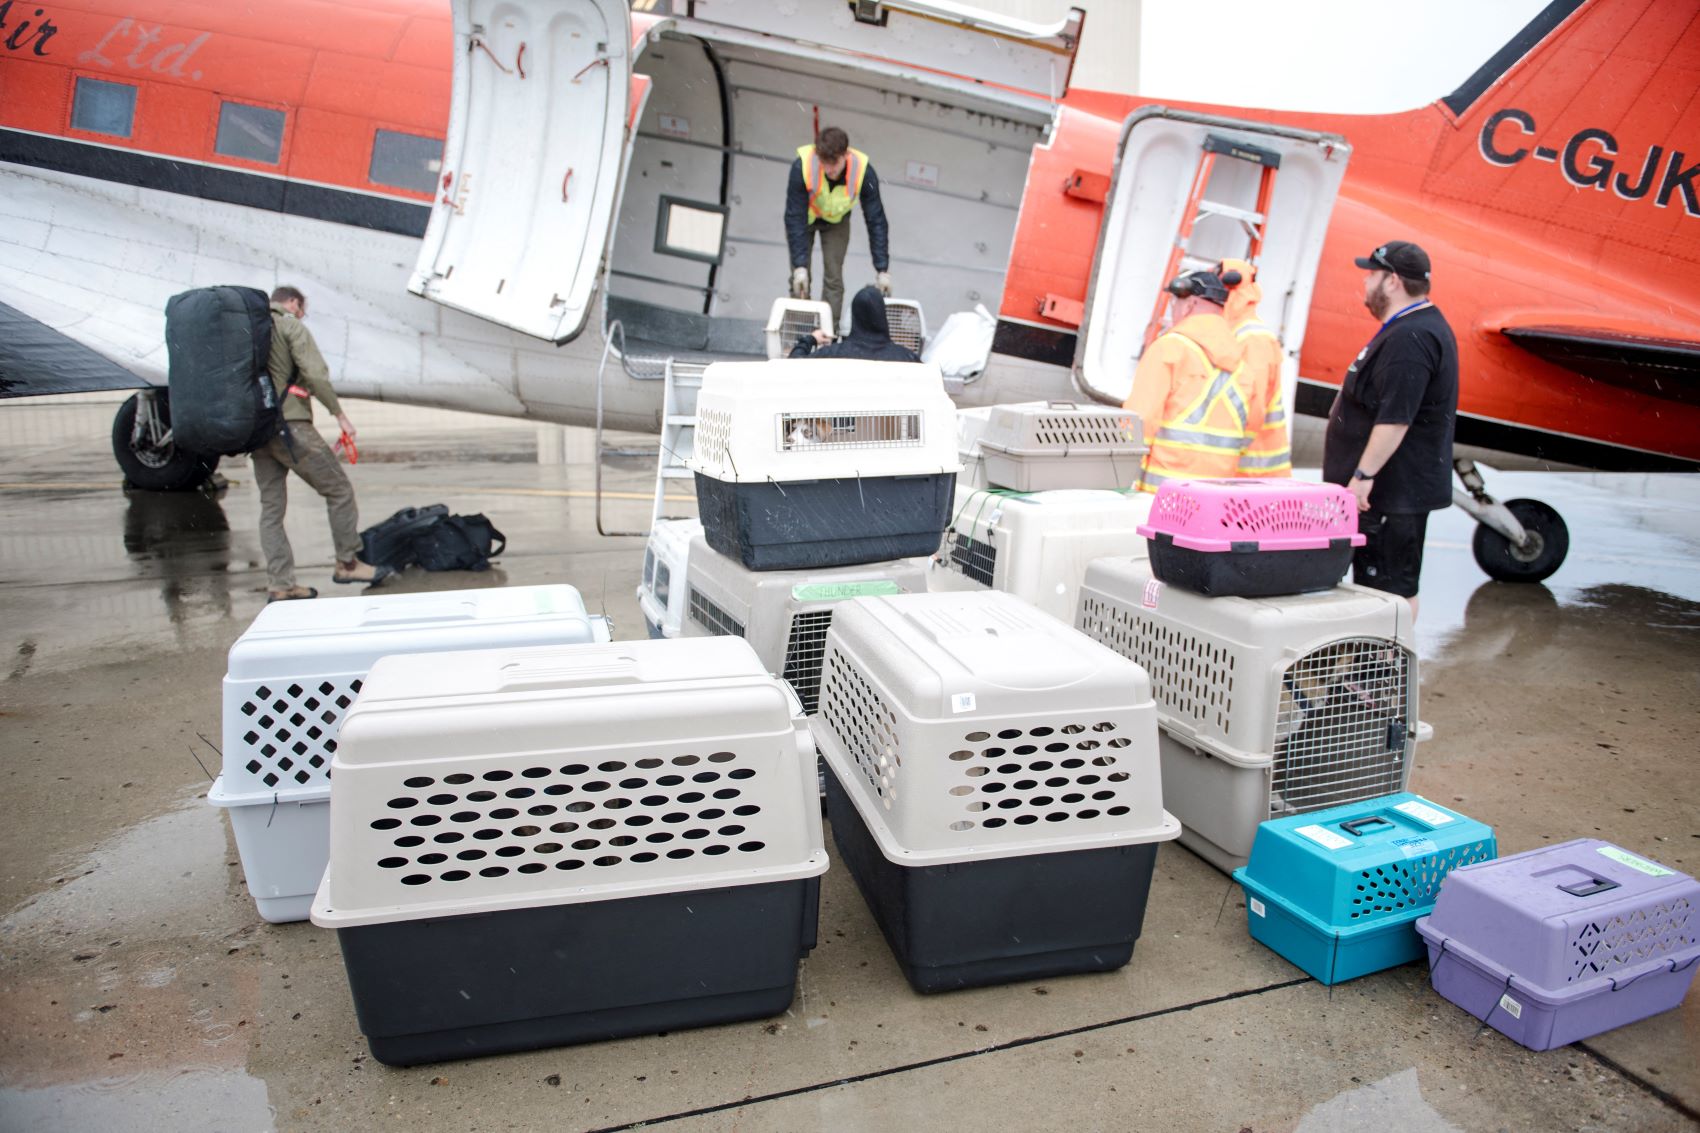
299	372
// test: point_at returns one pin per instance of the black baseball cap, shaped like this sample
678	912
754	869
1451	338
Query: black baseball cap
1400	257
1206	284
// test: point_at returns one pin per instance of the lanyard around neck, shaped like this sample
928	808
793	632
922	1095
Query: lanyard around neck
1402	312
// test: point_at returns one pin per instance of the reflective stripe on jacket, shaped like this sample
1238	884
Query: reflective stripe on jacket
832	203
1191	397
1268	450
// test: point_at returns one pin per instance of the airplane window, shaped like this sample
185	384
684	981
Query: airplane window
101	107
692	229
254	133
406	161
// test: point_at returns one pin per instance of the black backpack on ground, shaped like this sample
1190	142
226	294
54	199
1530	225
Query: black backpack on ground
217	340
432	538
390	543
459	542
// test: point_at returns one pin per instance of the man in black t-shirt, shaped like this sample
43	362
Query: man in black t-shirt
1390	431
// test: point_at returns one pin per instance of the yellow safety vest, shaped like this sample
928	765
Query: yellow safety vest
832	204
1268	451
1204	441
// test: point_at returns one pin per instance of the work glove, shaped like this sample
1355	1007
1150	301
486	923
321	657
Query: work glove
883	282
799	283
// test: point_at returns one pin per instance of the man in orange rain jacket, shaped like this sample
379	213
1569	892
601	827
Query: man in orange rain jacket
1268	451
1185	390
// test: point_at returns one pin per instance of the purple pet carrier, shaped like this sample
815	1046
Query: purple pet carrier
1553	945
1251	538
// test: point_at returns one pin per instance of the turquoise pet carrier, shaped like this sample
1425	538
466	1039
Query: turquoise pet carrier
1337	892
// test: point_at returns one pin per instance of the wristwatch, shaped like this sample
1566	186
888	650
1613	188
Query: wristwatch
1360	474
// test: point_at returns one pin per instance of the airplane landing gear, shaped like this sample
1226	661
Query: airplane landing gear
1515	541
142	444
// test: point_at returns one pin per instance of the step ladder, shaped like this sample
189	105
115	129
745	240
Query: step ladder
681	380
1252	221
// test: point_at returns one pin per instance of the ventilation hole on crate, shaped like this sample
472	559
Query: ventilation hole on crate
520	793
268	750
497	776
344	701
1103	761
1025	784
1120	741
959	756
1087	780
716	850
649	763
1073	729
639	820
992	788
532	867
456	875
569	863
416	879
540	810
994	823
493	871
1088	745
386	824
669	780
705	776
722	757
616	804
680	853
576	769
302	777
286	763
1056	747
727	793
685	760
391	863
535	772
279	705
645	856
1117	776
596	786
579	807
315	732
504	812
1116	811
254	766
741	773
731	831
317	761
1025	749
557	789
270	780
1026	819
586	844
563	828
601	824
1073	798
633	784
611	766
480	796
976	737
249	709
327	716
1056	816
433	859
962	790
995	752
448	837
711	813
471	855
443	800
1009	804
1010	734
297	719
1103	726
962	824
457	778
1088	813
487	834
527	831
658	837
426	819
465	816
403	803
976	772
695	834
1041	765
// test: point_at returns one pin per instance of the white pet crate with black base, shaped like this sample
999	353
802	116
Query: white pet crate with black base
993	786
666	558
1037	545
532	848
817	463
784	614
291	678
1268	706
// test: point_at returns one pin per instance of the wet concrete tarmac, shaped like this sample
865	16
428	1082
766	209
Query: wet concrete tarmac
139	990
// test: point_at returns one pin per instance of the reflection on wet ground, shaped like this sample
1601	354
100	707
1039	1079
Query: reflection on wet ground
139	990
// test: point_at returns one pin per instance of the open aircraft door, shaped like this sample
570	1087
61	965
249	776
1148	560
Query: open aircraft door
533	161
1187	191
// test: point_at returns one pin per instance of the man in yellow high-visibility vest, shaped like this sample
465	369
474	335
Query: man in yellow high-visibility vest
828	180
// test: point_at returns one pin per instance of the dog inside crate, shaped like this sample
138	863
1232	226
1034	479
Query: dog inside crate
1341	727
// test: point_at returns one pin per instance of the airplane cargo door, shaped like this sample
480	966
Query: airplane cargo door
1187	191
531	165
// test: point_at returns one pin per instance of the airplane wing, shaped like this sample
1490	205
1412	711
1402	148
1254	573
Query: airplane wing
35	359
1666	368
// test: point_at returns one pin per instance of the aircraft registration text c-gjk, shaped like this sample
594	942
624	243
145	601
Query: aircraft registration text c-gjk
1587	161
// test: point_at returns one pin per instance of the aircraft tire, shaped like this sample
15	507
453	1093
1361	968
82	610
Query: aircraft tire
1503	562
163	469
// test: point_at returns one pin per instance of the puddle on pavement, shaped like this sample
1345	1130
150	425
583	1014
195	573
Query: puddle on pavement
185	1100
1395	1102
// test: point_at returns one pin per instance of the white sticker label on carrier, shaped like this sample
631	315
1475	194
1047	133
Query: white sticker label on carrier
1511	1007
1416	847
1424	813
1255	906
962	702
920	173
1624	857
674	126
1323	837
1153	588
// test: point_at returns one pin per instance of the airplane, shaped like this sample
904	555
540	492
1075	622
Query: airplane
493	204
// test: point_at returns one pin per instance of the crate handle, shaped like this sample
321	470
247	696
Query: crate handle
1062	405
1589	888
555	672
1356	825
453	610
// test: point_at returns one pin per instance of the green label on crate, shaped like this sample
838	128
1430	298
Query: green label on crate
1624	857
837	591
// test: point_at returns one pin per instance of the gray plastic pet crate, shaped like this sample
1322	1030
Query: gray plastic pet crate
538	847
292	677
1058	444
993	786
1268	706
784	614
